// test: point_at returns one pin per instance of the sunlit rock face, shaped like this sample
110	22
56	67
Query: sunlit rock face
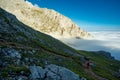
44	20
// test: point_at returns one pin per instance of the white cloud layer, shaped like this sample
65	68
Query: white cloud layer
107	41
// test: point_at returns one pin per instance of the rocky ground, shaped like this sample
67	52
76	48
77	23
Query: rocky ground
15	66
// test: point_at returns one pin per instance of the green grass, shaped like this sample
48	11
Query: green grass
103	65
18	69
6	71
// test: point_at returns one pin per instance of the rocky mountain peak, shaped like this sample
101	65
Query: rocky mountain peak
44	20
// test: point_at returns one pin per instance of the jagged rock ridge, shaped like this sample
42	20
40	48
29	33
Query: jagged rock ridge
44	20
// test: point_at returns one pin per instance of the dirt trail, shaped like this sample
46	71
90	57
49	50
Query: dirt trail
92	74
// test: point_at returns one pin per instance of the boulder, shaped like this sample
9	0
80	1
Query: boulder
37	72
10	52
61	73
52	72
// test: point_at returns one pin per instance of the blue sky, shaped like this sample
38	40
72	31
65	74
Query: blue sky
86	13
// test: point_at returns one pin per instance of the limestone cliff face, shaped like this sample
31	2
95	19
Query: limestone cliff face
45	20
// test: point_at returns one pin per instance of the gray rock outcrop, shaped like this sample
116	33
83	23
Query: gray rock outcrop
52	72
37	72
10	52
44	20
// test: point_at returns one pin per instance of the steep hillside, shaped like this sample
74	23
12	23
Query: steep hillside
44	20
26	54
23	49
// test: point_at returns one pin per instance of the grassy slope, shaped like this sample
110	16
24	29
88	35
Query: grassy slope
103	66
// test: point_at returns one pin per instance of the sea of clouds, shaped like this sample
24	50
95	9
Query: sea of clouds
103	40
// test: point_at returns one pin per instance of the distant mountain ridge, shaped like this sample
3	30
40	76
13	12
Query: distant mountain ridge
44	20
